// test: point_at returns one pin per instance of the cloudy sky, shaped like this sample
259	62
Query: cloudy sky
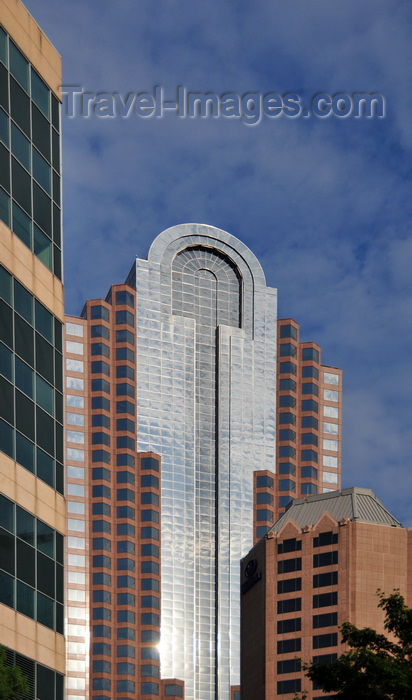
324	203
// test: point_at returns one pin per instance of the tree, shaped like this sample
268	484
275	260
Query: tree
374	668
13	683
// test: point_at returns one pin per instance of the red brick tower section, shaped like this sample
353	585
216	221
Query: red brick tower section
308	419
123	504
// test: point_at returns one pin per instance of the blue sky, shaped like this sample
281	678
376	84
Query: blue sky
325	204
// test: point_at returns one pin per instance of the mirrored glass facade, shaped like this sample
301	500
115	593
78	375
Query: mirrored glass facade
206	384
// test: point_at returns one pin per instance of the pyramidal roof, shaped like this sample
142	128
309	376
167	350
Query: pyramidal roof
355	503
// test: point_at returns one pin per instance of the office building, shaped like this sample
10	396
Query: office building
182	359
171	452
319	565
32	507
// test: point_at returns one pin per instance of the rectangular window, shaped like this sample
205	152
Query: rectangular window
310	405
287	401
325	538
329	461
325	620
287	385
149	550
100	385
288	331
309	439
262	497
100	367
74	419
289	605
124	317
288	646
287	417
100	456
264	481
288	349
125	478
287	451
288	565
320	641
287	368
151	533
150	463
100	439
329	579
309	422
290	545
75	383
287	468
149	480
99	312
264	515
284	501
125	564
73	347
310	388
325	559
310	354
74	365
74	401
124	354
309	473
125	495
100	349
331	428
290	585
330	395
288	666
323	600
291	625
331	445
125	298
125	407
124	336
287	434
310	371
309	456
290	686
330	412
99	332
330	477
330	378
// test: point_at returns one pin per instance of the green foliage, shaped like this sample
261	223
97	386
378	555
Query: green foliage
374	668
13	684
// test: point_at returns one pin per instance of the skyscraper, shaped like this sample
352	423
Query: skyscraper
171	453
32	507
194	382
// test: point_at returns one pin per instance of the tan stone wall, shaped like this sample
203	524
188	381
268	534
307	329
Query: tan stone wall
31	272
30	39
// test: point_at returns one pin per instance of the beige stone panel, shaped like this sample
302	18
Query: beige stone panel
31	639
22	263
30	39
31	493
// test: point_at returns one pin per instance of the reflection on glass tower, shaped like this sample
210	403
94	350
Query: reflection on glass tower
206	382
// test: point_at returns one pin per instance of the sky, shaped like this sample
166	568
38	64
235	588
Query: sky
323	202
